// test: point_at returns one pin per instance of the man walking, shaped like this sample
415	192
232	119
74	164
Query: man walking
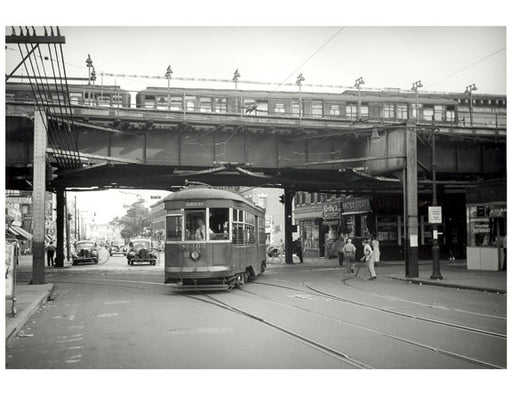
50	252
369	258
349	251
338	246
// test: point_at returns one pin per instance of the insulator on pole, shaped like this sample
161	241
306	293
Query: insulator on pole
45	31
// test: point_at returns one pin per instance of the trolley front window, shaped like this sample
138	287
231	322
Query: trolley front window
219	224
173	227
195	224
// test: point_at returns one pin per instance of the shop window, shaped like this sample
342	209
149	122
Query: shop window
173	227
195	224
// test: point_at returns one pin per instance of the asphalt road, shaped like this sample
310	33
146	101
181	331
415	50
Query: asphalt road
112	315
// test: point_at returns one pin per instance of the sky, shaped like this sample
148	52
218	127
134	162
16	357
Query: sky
329	50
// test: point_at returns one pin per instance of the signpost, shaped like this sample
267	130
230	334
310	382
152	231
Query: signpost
435	215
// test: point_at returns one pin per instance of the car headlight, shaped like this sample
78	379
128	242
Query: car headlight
94	253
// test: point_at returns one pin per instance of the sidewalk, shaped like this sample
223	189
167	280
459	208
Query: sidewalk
455	274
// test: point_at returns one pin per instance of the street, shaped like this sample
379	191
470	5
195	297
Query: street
115	316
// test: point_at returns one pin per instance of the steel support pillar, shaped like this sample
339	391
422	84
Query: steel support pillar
411	200
59	258
38	196
68	251
288	232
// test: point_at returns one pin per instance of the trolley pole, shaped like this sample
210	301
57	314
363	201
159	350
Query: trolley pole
436	266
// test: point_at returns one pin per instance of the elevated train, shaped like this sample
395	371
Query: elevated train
215	239
388	105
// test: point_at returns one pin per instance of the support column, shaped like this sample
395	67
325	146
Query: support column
59	258
411	264
38	196
288	233
68	251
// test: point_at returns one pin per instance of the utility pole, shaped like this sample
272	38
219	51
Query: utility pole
358	84
469	91
436	266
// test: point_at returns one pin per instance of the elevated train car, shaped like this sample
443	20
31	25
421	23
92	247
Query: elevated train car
86	95
215	239
390	105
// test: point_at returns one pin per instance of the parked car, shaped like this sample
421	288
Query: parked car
86	251
117	247
140	251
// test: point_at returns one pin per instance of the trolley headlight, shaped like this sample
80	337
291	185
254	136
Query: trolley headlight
195	255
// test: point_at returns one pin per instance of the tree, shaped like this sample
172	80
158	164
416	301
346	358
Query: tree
135	220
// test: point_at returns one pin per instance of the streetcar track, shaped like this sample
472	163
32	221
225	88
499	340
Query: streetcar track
312	343
394	298
372	307
385	334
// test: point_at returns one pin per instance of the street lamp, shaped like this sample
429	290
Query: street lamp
436	266
415	86
300	79
469	91
168	75
236	76
358	84
88	63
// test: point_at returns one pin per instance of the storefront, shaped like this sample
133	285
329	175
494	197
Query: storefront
486	212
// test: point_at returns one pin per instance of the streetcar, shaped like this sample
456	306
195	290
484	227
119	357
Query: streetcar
215	239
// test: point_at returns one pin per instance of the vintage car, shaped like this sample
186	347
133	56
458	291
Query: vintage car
117	247
140	251
86	251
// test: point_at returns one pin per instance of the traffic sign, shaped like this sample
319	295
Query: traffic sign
435	215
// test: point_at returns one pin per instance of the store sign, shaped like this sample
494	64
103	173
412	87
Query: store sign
331	210
435	215
18	199
356	205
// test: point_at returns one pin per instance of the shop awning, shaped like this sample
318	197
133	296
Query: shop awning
356	212
18	231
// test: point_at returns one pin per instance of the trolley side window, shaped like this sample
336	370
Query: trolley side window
261	230
250	229
238	226
173	226
219	223
195	224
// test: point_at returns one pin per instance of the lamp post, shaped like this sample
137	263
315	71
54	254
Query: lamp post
469	91
358	84
168	75
236	76
436	266
300	79
415	86
88	63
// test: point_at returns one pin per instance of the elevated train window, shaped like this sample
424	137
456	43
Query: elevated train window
161	103
190	103
75	98
221	104
334	109
195	224
401	111
389	111
205	104
317	109
450	113
295	108
279	108
149	101
176	103
173	227
219	223
351	110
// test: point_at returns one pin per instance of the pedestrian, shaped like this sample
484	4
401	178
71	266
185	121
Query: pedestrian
297	249
376	250
349	252
338	247
50	252
369	258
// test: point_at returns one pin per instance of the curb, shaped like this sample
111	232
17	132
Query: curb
448	285
14	327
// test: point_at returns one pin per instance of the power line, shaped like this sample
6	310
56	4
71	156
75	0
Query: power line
467	67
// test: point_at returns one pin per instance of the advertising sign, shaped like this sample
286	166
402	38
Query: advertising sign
331	210
356	205
435	215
